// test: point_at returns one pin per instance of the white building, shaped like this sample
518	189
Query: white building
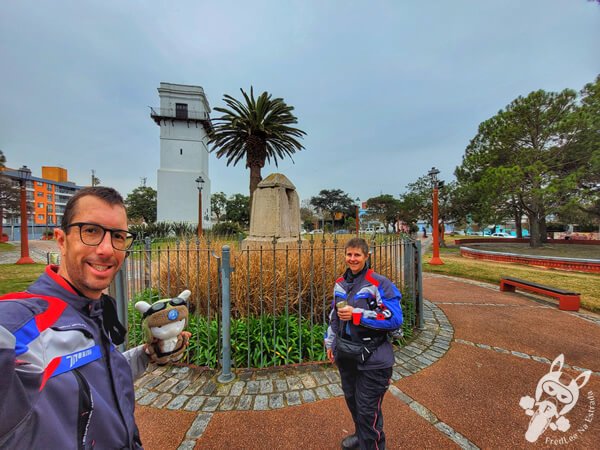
184	121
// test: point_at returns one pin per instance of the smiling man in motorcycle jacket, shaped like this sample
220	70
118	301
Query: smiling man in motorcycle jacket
365	308
63	384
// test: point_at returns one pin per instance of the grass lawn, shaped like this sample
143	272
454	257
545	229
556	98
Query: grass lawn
587	284
15	277
4	247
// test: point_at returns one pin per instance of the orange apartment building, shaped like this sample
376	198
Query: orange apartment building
47	197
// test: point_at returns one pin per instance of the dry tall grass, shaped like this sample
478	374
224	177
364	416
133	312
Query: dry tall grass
269	280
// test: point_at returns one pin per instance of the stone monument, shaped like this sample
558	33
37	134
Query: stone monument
275	212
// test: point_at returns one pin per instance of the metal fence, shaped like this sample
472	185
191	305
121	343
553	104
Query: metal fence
257	305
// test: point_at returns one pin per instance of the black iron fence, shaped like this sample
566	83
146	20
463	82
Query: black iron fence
274	298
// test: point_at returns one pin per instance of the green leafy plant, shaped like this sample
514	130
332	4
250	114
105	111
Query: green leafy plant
135	332
158	229
258	341
226	229
184	229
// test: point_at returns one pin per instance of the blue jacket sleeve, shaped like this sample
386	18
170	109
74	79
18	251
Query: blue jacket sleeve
388	314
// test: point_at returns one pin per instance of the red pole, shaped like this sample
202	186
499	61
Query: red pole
199	213
435	260
25	259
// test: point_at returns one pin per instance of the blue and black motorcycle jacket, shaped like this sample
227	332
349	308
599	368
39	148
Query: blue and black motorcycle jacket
63	384
379	299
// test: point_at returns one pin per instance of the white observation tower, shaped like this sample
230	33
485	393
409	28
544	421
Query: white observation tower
184	121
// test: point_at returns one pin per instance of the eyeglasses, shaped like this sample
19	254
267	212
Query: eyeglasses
93	234
159	306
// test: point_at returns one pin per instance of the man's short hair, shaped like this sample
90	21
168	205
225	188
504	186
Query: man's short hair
358	243
104	193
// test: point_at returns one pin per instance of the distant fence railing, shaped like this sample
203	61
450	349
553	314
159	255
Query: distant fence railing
279	295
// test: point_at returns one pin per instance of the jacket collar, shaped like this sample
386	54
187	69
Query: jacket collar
350	277
51	283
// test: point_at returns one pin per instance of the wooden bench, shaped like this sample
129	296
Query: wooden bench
567	300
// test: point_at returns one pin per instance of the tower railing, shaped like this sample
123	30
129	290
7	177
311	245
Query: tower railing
171	113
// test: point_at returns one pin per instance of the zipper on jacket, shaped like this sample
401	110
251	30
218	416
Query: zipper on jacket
86	409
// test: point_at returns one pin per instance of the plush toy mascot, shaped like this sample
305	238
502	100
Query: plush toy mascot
164	322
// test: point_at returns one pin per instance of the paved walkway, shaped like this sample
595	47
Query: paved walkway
457	385
38	251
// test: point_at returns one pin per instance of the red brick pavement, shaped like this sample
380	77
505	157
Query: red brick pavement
474	390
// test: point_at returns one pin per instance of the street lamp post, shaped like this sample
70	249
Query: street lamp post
357	216
24	174
46	229
199	184
435	260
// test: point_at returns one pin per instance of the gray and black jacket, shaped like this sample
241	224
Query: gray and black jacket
63	383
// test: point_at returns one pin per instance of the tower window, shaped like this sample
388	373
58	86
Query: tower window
181	110
181	151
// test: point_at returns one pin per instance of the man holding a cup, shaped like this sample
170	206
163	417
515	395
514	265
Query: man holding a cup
366	306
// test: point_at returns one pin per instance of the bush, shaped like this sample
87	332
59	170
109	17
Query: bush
226	229
158	230
256	341
254	333
555	227
138	229
135	332
184	229
253	343
585	228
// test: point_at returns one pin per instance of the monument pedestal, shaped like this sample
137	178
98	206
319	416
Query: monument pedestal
275	214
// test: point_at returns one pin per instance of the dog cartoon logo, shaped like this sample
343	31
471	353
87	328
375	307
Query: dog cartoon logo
553	400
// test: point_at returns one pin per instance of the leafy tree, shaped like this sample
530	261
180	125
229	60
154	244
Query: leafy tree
10	194
95	180
417	203
238	209
523	157
333	201
587	198
218	204
258	130
308	218
141	204
410	207
385	208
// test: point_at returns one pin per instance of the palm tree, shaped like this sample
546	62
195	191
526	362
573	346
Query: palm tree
259	130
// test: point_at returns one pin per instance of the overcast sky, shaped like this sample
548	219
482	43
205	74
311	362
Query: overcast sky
384	89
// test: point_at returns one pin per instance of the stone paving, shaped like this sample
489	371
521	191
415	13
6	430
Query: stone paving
191	389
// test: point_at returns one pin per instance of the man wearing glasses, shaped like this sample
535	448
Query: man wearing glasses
63	384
